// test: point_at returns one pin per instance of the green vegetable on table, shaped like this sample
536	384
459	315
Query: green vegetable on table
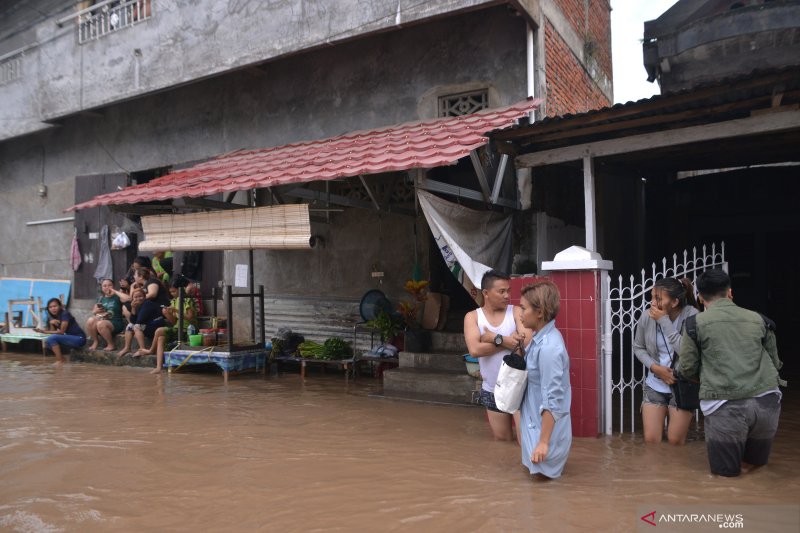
332	349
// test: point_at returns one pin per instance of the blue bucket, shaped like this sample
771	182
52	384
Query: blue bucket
473	367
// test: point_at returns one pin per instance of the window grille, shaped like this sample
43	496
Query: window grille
10	69
454	105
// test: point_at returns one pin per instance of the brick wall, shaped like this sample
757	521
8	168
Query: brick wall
599	26
570	88
575	12
600	33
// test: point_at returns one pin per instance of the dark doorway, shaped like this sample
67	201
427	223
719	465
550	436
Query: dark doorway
782	291
753	211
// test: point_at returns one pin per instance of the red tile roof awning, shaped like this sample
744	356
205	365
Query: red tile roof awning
420	144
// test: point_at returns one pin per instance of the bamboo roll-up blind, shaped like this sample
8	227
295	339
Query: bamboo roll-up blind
276	227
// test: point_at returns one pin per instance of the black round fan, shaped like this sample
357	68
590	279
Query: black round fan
372	302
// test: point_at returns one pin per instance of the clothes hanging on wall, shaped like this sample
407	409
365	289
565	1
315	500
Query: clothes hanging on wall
104	268
75	253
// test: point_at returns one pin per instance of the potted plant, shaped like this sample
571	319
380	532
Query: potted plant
387	325
416	339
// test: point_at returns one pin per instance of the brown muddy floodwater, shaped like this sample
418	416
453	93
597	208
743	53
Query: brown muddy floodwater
96	448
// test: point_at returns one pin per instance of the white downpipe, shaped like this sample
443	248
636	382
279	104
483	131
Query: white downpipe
588	202
531	69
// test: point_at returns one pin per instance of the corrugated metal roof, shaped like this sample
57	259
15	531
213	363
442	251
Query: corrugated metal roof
759	82
419	144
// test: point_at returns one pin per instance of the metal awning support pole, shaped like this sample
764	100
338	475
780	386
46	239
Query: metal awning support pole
252	297
476	162
214	301
588	203
369	192
252	287
229	306
261	306
427	184
181	296
498	179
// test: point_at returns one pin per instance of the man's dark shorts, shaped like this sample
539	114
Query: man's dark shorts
741	430
487	399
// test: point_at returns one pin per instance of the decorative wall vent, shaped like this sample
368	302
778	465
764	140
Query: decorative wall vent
453	105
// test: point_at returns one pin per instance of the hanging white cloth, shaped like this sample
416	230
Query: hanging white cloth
471	242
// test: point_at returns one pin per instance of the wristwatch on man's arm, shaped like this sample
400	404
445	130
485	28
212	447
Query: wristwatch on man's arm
498	340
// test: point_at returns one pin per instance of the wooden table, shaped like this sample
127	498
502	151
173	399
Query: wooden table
345	364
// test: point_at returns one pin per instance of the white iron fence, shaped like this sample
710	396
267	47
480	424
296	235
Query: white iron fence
624	302
109	16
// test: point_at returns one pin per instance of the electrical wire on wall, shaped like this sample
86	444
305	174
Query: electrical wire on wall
114	159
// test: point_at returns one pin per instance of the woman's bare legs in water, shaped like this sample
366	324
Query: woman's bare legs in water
128	340
106	330
159	353
159	334
91	332
57	350
138	332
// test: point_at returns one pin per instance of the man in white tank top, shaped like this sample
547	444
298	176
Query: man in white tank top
491	332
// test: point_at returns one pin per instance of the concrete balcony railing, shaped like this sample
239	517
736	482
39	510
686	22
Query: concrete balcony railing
110	16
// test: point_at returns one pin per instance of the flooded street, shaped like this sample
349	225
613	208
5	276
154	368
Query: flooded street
96	448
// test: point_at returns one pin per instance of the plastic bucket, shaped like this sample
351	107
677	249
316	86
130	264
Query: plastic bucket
195	340
473	366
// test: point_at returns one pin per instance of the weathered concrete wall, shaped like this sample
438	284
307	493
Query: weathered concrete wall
355	244
390	77
186	41
385	79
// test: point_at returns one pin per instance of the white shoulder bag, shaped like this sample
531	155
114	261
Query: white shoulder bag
511	382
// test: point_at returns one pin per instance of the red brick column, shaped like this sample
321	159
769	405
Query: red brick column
577	274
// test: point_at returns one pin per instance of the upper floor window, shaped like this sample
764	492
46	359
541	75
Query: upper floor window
10	67
453	105
104	17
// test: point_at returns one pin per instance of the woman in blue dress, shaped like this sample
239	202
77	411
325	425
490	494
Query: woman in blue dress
63	328
546	427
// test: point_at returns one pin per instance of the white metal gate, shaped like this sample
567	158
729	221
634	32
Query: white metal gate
622	374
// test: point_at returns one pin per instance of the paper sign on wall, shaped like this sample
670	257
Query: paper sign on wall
241	276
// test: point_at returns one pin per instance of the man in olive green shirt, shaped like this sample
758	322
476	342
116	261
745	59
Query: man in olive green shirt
736	361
